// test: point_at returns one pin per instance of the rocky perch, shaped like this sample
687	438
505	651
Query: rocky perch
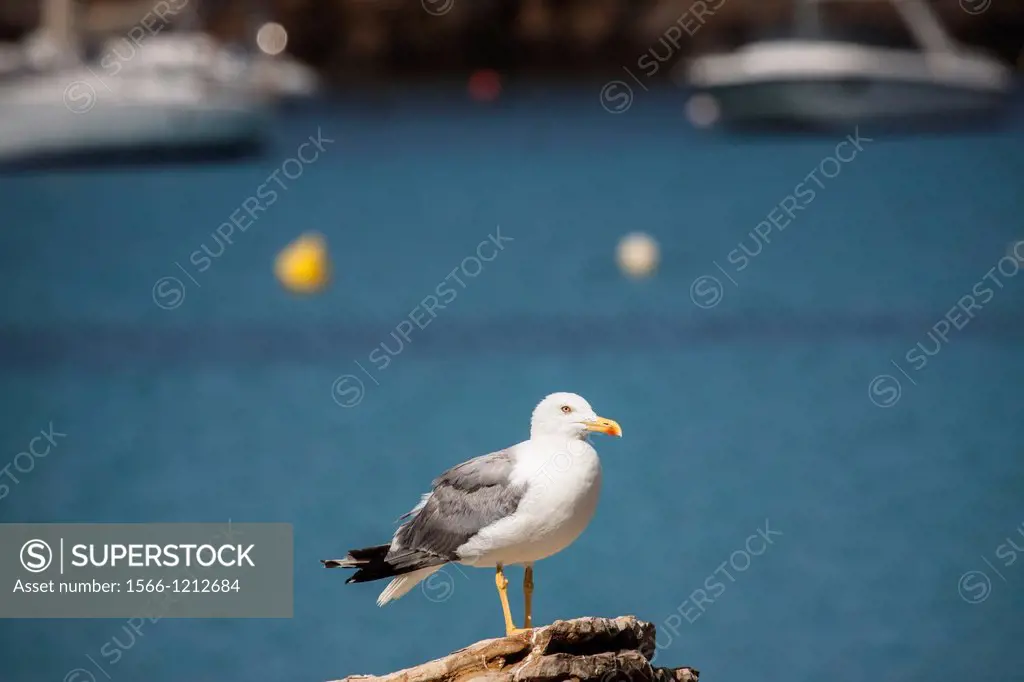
579	650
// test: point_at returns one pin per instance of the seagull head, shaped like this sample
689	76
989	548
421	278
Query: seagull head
567	415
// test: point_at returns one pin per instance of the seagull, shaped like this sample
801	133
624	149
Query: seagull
515	506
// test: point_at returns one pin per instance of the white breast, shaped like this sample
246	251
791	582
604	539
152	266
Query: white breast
563	483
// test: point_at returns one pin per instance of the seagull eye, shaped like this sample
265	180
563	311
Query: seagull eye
566	409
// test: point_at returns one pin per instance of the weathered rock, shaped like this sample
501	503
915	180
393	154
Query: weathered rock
580	650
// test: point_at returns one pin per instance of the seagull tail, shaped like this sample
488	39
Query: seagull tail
405	582
359	558
372	563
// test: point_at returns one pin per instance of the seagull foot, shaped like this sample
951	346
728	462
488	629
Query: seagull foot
515	631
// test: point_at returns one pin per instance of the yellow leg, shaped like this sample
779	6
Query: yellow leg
528	597
502	584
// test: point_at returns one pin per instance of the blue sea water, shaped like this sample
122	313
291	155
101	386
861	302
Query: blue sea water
762	412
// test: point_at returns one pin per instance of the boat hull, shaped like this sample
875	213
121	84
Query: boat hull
850	101
820	82
58	115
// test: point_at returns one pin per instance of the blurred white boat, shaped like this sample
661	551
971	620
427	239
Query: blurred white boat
279	76
816	75
285	76
170	91
72	111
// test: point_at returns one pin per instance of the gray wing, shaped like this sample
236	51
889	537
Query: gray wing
465	499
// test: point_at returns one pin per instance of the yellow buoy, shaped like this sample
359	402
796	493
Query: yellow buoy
303	266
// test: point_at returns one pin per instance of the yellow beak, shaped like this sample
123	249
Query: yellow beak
606	426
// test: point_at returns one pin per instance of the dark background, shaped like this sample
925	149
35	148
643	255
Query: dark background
377	40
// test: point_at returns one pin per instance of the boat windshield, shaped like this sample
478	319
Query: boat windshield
868	23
